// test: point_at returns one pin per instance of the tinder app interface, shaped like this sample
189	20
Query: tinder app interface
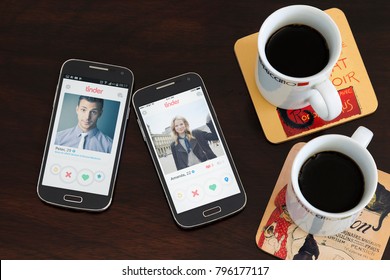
85	135
189	150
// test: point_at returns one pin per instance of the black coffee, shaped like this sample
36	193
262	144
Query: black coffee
297	51
331	182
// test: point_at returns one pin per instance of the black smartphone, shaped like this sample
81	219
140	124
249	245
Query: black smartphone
85	136
189	151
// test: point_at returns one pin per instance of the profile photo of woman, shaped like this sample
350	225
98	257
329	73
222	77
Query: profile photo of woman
191	147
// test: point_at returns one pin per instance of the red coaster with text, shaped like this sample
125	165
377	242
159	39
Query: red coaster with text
349	76
366	239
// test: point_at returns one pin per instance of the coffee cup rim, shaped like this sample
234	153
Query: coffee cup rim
332	61
368	193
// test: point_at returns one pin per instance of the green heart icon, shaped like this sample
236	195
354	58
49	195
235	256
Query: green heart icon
85	177
213	187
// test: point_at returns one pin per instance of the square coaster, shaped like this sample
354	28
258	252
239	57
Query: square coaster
349	76
366	239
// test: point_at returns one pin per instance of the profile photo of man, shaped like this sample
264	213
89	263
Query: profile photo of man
86	135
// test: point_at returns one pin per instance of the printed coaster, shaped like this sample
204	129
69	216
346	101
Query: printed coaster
366	239
349	76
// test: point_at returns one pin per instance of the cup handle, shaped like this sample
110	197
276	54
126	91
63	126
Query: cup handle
363	136
326	101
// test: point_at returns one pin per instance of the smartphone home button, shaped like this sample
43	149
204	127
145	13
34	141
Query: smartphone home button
73	198
212	211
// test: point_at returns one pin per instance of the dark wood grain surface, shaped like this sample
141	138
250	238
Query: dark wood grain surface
156	40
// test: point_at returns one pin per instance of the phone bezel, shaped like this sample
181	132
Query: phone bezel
96	70
165	89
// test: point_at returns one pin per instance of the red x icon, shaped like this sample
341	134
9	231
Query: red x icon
195	193
68	174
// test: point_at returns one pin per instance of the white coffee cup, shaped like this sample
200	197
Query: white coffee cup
288	92
317	221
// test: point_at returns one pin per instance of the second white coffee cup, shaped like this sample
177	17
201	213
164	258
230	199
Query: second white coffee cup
318	221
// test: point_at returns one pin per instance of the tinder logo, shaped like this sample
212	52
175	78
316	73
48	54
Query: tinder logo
94	90
171	103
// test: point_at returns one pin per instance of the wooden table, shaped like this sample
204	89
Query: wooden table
156	40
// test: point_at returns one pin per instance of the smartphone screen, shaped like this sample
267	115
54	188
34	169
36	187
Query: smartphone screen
85	138
190	152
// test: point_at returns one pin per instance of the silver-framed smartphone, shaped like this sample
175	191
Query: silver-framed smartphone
189	151
85	136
